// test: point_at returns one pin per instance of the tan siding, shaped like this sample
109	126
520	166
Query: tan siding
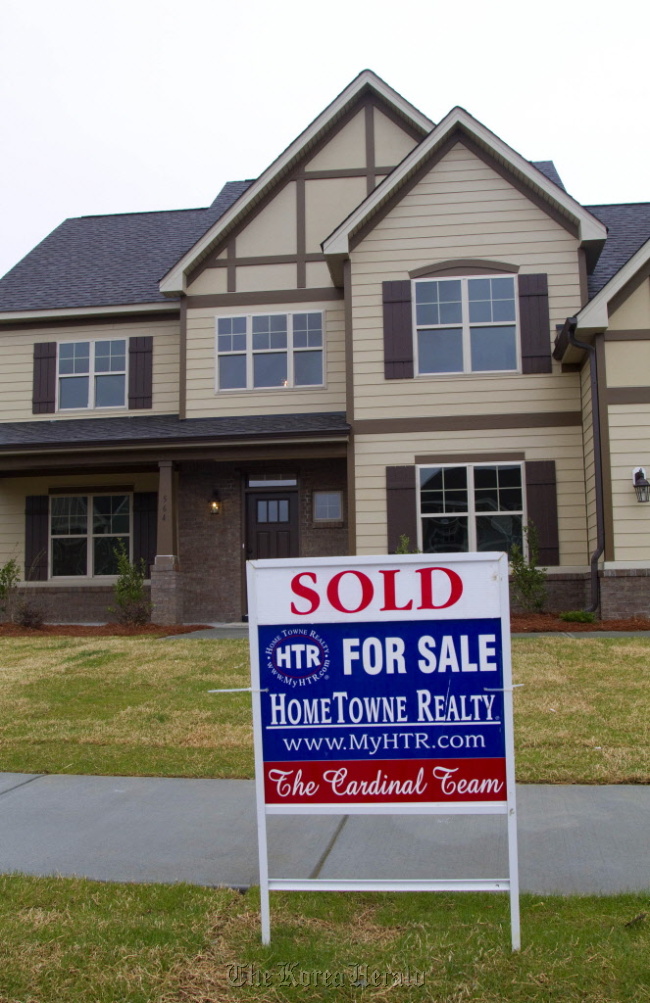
253	277
634	313
564	445
17	357
628	363
12	503
629	436
588	446
210	282
327	202
273	230
346	149
202	398
391	143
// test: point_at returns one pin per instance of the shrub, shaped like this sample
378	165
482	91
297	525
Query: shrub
9	578
131	604
528	580
578	616
29	613
404	546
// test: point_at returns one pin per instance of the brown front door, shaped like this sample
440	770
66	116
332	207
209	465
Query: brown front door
271	524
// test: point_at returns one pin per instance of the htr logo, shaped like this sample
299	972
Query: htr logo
359	588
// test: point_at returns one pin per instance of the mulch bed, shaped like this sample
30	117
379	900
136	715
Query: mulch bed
521	623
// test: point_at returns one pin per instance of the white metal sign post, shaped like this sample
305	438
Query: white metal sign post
382	685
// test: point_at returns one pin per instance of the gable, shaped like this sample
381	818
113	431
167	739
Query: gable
277	245
633	312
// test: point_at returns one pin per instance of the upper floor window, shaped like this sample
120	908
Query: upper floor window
270	350
466	325
473	507
91	374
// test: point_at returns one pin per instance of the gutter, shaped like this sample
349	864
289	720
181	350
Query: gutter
569	329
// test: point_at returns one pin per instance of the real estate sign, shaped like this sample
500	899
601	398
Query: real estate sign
382	684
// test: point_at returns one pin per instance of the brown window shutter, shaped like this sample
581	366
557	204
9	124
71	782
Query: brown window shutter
535	324
44	391
145	525
37	514
140	372
541	501
398	330
401	506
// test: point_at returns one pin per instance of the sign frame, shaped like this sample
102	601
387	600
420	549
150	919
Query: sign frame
267	581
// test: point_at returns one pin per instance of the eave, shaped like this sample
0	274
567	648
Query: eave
73	313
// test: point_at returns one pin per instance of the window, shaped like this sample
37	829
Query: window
466	325
328	506
91	374
475	507
85	531
272	350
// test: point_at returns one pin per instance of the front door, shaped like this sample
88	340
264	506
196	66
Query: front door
271	524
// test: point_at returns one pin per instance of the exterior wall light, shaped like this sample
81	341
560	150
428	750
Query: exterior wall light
641	485
215	503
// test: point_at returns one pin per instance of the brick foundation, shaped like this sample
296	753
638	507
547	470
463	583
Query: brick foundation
166	591
624	593
565	591
73	603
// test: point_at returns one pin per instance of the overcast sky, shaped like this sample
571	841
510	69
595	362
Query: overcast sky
134	105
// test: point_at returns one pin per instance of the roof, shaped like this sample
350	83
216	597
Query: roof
628	227
95	261
548	168
142	429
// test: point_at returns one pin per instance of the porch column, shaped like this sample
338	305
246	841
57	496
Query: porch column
166	578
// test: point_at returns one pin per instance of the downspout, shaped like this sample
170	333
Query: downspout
570	326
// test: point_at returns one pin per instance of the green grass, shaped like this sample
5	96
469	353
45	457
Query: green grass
124	706
72	941
140	706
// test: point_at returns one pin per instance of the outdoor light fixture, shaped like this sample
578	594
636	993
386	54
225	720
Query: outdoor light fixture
215	503
641	485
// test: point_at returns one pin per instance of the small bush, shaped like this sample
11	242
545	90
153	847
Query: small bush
578	616
404	546
29	613
528	580
131	604
9	578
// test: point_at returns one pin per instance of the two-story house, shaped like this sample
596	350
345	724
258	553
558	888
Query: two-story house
399	328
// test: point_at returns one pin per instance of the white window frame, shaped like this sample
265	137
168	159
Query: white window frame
92	374
465	326
89	535
327	518
471	514
250	353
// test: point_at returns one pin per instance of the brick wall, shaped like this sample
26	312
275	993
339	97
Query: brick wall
625	593
73	603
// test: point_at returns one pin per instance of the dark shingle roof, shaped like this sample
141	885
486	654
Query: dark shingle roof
628	228
549	170
75	433
95	261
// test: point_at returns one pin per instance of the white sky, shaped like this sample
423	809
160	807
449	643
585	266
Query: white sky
134	105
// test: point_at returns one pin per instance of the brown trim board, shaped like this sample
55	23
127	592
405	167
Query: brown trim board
371	180
466	423
471	458
84	489
94	319
464	266
268	259
627	395
349	342
301	233
231	262
344	172
605	455
633	335
270	296
182	362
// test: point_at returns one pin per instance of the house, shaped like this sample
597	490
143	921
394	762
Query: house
399	328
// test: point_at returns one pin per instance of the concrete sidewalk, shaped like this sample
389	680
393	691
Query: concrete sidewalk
572	839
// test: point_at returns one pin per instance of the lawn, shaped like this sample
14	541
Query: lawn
72	941
140	706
